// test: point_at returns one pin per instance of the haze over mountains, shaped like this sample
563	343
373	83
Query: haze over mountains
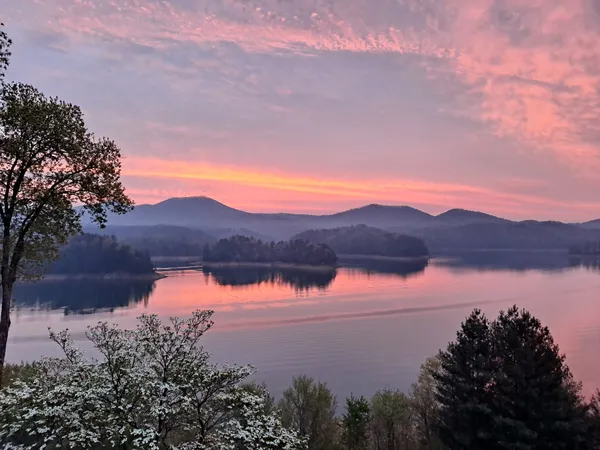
453	229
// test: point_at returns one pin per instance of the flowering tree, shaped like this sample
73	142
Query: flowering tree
152	388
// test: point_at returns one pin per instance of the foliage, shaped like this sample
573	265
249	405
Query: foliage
49	162
309	407
391	420
153	388
424	405
504	384
355	424
98	255
247	249
162	240
5	44
364	240
14	372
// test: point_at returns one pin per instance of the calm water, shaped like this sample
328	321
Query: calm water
358	329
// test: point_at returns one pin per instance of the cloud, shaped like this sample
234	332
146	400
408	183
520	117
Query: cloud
486	90
281	190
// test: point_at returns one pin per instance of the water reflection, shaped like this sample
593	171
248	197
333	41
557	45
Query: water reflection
82	296
297	279
402	268
519	261
588	262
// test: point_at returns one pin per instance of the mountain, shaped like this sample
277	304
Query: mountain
182	211
591	225
382	216
451	230
464	217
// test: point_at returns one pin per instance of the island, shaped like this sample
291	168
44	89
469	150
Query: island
367	241
244	250
91	255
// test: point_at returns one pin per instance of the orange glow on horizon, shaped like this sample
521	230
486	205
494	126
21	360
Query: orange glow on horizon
275	191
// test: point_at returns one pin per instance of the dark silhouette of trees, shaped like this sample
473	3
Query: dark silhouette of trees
247	249
504	385
364	240
90	254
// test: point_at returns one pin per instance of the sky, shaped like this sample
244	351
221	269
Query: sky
322	105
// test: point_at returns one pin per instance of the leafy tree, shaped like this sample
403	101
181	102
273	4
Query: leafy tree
355	423
309	407
153	388
5	44
425	406
391	421
504	385
49	162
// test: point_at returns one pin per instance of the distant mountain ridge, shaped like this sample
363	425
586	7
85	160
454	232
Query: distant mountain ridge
205	212
455	229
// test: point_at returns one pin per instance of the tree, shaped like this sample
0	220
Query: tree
49	162
425	406
5	44
309	407
462	387
504	385
391	419
355	423
537	403
153	388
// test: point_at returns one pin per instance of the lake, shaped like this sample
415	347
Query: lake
358	328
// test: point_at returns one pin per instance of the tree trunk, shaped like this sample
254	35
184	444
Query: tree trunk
7	286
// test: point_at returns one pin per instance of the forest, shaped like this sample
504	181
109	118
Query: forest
364	240
90	254
247	249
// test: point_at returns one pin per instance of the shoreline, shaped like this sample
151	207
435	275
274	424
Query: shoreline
270	265
344	257
107	276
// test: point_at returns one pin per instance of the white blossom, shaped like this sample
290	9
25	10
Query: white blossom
152	388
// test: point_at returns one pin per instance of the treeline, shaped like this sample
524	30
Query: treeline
501	384
364	240
162	240
590	248
528	234
90	254
250	250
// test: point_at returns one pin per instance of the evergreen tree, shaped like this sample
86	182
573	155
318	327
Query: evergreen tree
537	403
504	385
465	420
355	423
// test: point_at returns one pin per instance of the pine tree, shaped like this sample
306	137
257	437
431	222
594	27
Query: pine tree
537	403
465	420
505	385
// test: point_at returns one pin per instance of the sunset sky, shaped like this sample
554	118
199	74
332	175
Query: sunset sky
322	105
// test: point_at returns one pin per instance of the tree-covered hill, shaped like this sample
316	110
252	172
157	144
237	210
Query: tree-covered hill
247	249
364	240
90	254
